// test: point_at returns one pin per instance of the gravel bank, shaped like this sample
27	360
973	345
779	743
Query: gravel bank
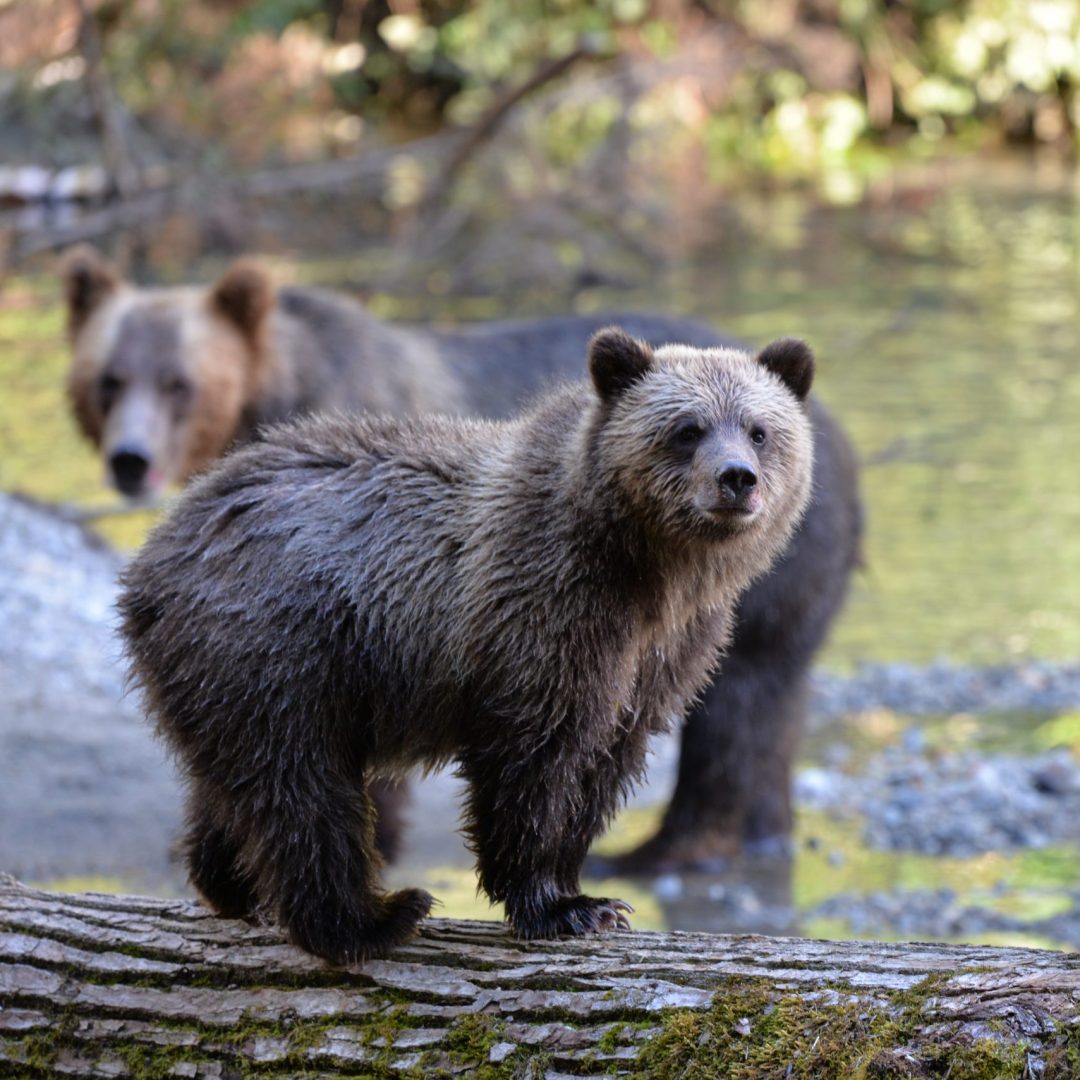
1029	686
954	804
915	913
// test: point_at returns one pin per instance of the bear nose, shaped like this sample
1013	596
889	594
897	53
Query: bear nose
736	478
129	466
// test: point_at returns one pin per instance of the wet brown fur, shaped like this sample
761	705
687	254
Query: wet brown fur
353	596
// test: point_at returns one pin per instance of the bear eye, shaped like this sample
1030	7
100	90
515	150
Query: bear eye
757	436
109	386
177	387
687	434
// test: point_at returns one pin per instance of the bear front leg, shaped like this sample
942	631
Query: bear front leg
531	819
311	840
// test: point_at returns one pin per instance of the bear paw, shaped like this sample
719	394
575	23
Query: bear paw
360	933
575	915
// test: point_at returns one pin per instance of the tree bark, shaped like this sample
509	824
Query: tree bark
95	985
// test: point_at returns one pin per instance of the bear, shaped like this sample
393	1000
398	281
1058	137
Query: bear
529	599
163	380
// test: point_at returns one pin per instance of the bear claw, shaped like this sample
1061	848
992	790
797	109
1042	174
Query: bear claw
576	915
612	914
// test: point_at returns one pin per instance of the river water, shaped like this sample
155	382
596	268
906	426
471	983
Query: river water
945	318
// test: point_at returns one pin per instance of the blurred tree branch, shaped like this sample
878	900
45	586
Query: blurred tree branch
474	137
137	205
437	221
120	166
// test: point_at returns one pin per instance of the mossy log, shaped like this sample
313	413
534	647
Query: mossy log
94	985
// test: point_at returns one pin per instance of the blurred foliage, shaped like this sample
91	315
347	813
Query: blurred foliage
791	88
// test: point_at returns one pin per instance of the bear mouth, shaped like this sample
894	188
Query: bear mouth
733	515
722	522
741	511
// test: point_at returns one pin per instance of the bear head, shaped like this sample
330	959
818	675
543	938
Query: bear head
706	443
160	377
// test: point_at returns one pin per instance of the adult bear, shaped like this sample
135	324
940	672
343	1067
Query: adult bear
164	380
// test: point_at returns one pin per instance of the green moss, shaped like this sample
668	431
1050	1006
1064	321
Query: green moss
1063	1056
756	1033
153	1062
611	1039
36	1053
470	1041
983	1059
32	1055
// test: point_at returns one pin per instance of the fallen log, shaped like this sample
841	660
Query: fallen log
96	985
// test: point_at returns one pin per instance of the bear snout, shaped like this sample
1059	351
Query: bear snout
130	466
736	482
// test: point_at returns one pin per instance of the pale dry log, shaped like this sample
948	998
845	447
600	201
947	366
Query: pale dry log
95	985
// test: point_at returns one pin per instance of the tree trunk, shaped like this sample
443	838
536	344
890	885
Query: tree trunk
94	985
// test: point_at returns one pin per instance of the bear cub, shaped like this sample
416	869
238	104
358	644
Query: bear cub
531	599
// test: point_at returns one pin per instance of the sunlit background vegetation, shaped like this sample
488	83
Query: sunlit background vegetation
781	88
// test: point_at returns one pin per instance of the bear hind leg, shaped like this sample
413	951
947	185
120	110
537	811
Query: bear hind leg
319	871
213	862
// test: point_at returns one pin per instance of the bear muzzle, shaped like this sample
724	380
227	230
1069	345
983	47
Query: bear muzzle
131	471
135	442
737	492
729	495
737	484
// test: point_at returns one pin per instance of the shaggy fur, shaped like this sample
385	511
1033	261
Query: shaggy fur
351	597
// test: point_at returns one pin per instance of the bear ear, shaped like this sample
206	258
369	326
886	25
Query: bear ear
791	360
88	280
244	295
617	361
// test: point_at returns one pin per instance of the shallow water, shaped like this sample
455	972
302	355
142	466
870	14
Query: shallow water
945	322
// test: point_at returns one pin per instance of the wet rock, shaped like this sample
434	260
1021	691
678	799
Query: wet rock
954	804
1056	777
1027	686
